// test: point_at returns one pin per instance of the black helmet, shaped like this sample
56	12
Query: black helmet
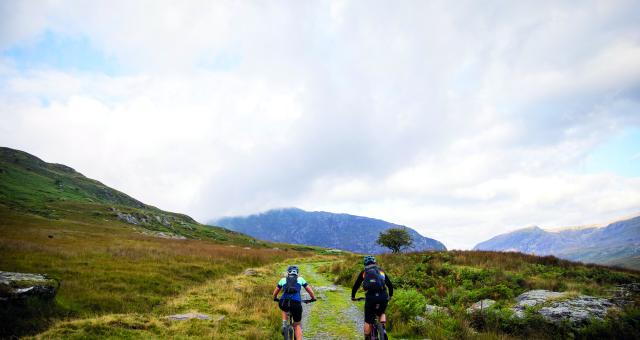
292	270
369	260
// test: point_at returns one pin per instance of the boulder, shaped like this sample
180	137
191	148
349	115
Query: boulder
533	298
189	316
127	218
432	309
480	306
576	310
20	285
557	307
250	272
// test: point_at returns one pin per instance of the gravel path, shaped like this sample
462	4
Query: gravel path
334	315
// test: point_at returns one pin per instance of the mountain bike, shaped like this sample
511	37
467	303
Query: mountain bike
377	332
288	331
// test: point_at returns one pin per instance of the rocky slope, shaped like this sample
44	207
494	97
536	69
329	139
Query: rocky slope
318	228
616	244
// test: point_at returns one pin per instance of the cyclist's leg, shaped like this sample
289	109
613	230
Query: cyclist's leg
369	316
382	307
298	330
296	313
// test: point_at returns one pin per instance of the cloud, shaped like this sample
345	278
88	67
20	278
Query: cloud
462	120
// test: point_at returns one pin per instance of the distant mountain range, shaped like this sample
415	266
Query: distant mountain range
319	228
615	244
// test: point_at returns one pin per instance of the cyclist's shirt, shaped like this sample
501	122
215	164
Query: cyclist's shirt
292	296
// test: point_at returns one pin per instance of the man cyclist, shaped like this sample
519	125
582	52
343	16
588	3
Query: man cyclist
291	301
374	281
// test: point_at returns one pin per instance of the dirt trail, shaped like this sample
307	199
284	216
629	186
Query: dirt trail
334	315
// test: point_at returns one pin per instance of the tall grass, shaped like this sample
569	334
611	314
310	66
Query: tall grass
456	279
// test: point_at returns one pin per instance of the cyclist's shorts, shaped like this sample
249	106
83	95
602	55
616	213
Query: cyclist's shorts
373	308
293	307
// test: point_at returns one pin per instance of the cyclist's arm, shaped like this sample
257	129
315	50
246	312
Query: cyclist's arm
275	292
356	285
310	291
387	281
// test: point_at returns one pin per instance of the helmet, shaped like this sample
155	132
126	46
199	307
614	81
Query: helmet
369	260
292	270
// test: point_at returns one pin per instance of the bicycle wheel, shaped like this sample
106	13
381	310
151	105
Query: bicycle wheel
382	333
291	333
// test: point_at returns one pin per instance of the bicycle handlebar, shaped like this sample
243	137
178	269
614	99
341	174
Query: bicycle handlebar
304	301
358	299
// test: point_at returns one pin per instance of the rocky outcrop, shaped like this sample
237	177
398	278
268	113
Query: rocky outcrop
576	310
533	298
557	307
432	309
480	306
21	285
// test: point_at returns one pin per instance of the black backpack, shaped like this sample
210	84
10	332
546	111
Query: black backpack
291	287
373	280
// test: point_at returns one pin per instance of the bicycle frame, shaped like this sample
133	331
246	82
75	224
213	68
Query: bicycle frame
377	331
289	330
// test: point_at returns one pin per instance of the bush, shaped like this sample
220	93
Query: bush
407	304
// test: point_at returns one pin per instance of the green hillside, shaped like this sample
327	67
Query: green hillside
112	253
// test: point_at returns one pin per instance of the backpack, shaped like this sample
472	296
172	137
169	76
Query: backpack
291	287
373	280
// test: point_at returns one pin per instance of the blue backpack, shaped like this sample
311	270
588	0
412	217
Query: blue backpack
373	279
291	287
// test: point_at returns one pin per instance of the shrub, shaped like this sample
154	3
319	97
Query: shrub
407	304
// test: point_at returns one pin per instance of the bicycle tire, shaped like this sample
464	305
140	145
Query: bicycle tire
382	334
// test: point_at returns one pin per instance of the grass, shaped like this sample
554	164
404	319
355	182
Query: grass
456	279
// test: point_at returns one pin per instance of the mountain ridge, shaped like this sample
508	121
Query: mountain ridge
617	243
321	228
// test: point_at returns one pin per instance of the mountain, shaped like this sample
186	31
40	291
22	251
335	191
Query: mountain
55	191
615	244
319	228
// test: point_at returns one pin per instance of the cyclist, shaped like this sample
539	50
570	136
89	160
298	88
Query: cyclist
291	301
374	281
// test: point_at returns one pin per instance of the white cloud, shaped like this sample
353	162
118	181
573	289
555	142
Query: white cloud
462	120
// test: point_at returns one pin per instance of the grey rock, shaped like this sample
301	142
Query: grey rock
327	288
480	306
432	309
577	310
189	316
250	272
20	285
533	298
128	218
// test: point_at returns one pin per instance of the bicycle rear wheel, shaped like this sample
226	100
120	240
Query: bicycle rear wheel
381	332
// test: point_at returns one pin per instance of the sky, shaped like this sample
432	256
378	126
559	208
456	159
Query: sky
462	120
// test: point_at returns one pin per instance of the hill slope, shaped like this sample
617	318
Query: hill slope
318	228
616	244
30	185
112	253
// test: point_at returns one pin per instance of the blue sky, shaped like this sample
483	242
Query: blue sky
460	121
620	154
61	52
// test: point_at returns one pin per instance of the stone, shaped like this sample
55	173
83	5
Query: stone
127	218
533	298
250	272
247	248
327	288
480	306
432	309
20	285
189	316
576	310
